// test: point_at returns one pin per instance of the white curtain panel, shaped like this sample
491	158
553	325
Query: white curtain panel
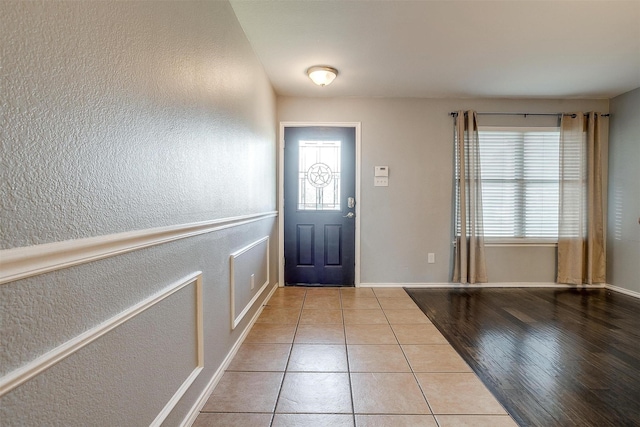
581	234
469	258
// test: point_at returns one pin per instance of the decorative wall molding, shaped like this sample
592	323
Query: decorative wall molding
235	320
623	291
30	370
204	396
20	263
478	285
200	364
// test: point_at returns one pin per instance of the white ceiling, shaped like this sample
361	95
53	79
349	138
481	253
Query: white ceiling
450	48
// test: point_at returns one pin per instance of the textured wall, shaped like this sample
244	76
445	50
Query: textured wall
120	116
129	115
402	223
623	238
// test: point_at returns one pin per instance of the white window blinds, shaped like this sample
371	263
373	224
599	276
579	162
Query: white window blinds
520	188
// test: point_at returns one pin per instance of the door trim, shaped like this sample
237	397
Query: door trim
356	126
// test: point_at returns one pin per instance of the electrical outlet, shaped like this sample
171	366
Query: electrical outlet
253	281
432	258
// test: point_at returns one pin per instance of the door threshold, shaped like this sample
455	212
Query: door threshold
317	285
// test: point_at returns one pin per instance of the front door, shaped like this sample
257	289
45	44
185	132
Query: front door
319	205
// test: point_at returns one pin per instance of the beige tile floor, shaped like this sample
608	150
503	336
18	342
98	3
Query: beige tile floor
348	357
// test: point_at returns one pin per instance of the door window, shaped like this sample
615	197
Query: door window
319	176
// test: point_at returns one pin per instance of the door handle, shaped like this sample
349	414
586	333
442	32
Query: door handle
349	215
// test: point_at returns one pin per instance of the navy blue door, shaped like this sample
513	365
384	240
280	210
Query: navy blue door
319	205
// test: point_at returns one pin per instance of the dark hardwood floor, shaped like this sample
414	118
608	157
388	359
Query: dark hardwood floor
552	357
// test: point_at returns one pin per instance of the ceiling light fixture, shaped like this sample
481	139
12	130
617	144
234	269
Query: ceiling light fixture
322	75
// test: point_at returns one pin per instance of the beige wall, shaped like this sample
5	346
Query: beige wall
402	223
119	117
623	242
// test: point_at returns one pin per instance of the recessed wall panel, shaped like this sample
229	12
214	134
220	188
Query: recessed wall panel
154	349
249	275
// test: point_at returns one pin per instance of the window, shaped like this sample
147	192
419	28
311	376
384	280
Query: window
520	182
319	175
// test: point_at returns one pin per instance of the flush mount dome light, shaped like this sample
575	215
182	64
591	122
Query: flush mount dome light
322	75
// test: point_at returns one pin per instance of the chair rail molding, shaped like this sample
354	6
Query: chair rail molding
23	262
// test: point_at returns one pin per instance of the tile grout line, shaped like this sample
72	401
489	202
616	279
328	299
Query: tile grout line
346	352
286	366
410	367
289	359
456	372
345	345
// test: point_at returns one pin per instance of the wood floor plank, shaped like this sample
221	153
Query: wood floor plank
552	357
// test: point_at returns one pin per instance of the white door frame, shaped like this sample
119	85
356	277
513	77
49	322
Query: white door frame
283	125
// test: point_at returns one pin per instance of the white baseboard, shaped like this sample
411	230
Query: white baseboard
406	285
623	291
614	288
204	396
478	285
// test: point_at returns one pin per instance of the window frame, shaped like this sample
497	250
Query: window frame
498	241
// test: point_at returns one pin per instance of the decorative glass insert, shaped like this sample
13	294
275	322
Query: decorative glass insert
319	176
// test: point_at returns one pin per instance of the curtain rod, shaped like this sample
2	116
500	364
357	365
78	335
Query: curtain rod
455	113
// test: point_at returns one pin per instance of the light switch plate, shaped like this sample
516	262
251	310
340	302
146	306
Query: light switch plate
380	181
